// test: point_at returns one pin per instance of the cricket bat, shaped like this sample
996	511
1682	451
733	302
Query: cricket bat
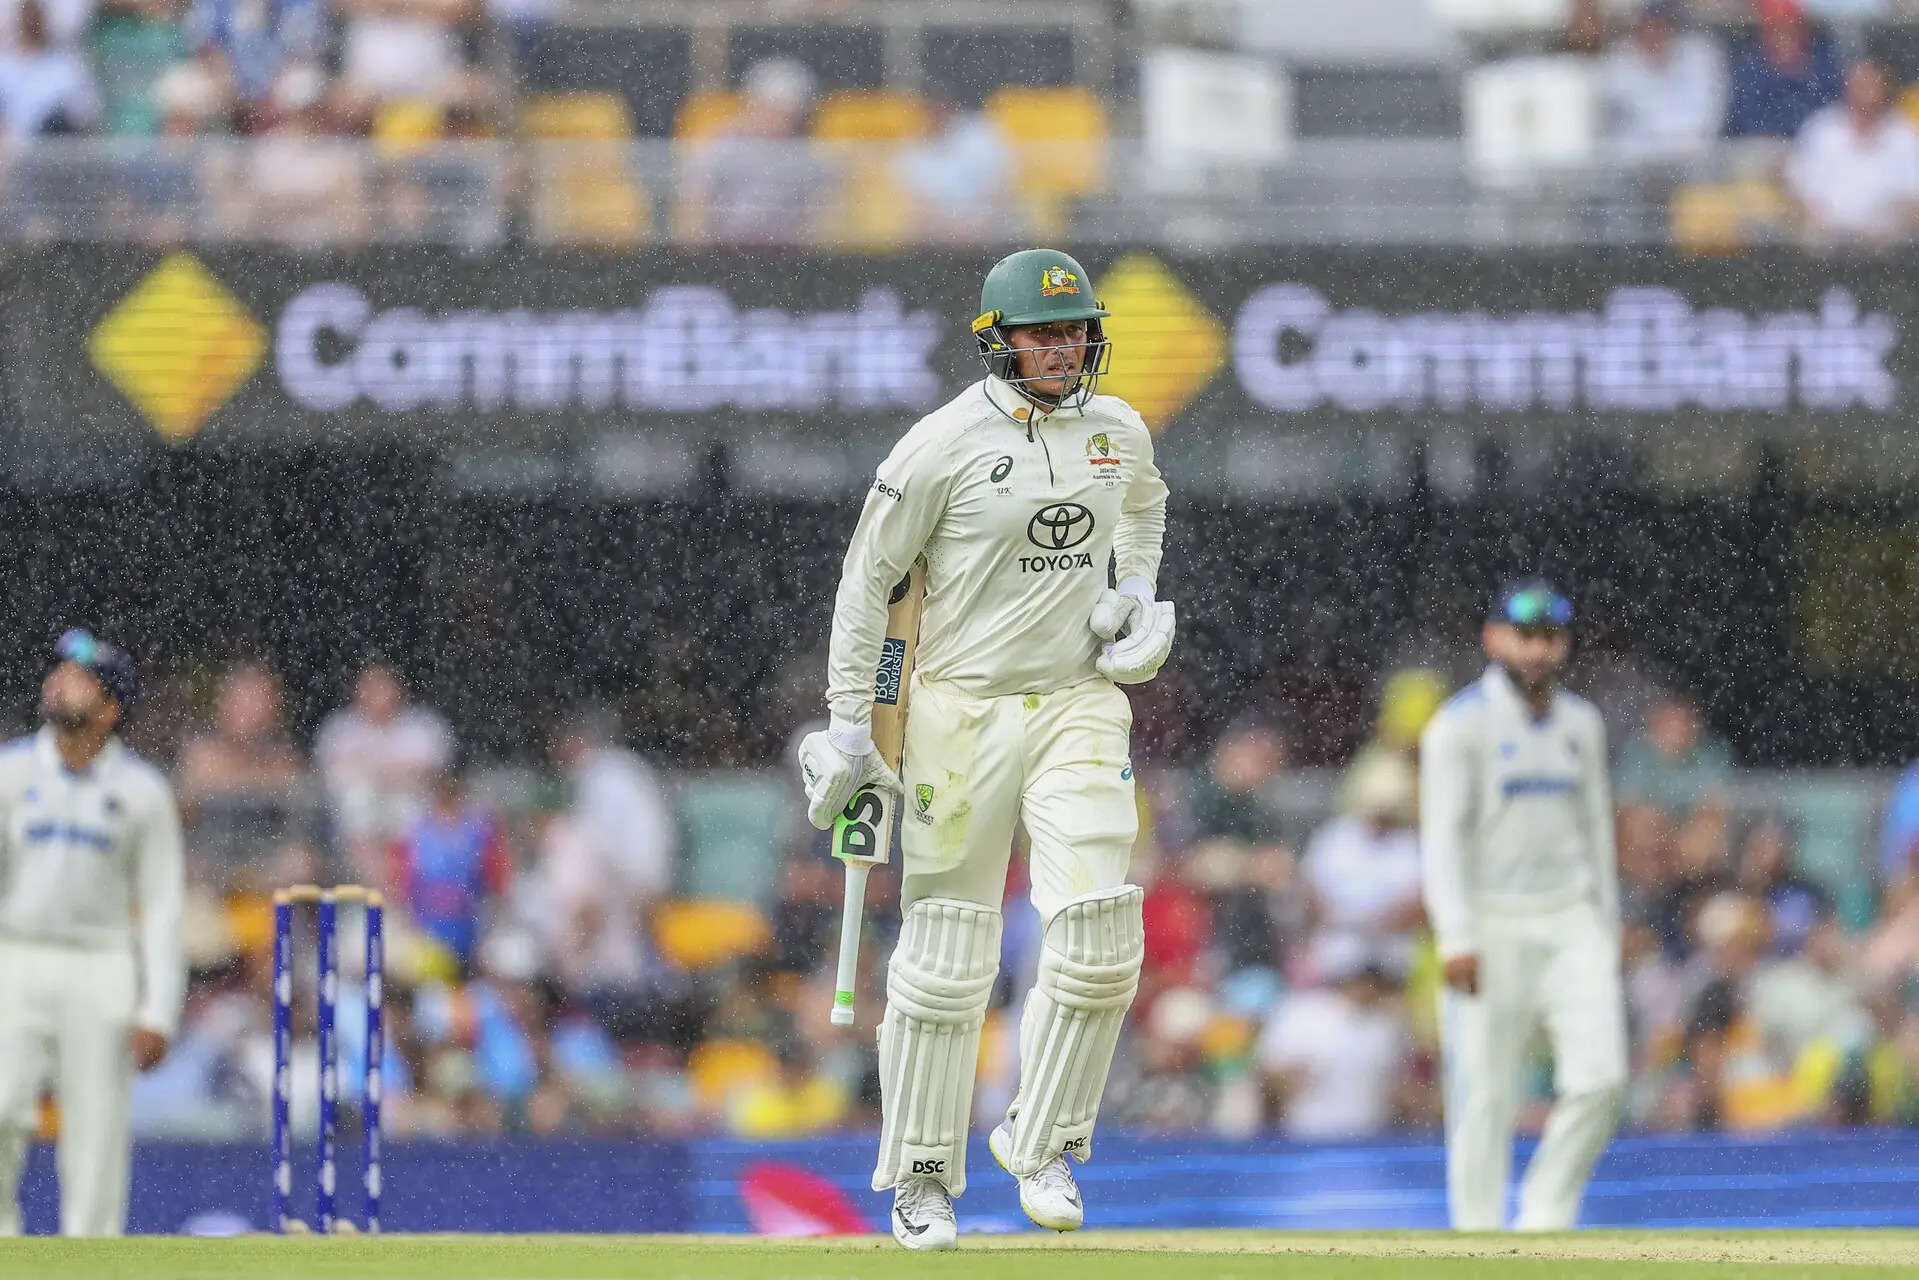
863	833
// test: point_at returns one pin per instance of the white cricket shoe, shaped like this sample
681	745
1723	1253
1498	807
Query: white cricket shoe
923	1215
1050	1196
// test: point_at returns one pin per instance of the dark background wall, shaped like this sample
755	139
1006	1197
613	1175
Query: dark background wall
702	618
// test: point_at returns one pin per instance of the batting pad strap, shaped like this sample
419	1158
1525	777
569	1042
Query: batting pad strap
938	985
1088	975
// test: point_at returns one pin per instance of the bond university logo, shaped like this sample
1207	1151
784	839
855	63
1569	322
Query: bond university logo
178	346
1057	528
886	682
1166	345
1058	280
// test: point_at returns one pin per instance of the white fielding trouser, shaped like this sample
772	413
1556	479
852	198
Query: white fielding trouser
65	1017
1558	968
974	768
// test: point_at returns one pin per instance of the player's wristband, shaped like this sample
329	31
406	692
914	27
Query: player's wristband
849	737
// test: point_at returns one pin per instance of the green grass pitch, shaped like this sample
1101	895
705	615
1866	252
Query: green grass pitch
1086	1255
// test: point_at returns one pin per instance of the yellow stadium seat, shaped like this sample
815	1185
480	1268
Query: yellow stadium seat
771	1110
870	212
406	124
704	113
604	209
584	193
871	115
697	932
575	117
1723	217
1060	134
719	1068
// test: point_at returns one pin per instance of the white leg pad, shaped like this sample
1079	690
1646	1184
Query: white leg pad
1088	975
938	985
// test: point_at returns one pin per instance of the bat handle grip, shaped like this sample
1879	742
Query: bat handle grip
852	917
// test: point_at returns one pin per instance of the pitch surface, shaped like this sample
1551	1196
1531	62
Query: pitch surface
1089	1255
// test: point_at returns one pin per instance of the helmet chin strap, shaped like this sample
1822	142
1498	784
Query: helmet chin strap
1049	403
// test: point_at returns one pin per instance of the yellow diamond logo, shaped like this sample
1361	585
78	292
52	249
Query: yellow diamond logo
1166	346
178	346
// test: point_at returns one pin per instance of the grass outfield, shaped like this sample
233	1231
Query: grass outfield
1086	1255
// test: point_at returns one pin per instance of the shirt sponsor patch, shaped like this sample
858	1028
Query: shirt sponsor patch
1538	785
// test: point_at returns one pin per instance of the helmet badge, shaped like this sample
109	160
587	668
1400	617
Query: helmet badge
1057	280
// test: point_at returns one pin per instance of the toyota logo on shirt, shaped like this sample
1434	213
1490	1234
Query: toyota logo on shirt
1060	526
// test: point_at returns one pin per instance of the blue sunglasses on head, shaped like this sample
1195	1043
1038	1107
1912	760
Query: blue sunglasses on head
77	646
1537	607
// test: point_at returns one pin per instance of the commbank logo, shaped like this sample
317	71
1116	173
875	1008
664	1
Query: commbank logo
1642	349
1166	345
178	347
1060	526
685	348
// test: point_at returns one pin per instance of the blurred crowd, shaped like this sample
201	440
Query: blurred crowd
549	969
179	68
1835	158
796	147
162	83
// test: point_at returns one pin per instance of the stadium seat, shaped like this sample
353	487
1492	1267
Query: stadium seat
1835	818
584	192
731	825
704	113
407	124
696	933
1524	115
1725	217
575	117
871	115
1496	16
1061	135
870	211
719	1068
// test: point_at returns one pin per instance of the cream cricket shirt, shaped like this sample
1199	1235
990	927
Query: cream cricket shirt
1019	514
1515	812
83	854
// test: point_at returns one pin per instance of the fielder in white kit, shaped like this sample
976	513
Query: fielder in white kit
1516	835
92	974
1020	494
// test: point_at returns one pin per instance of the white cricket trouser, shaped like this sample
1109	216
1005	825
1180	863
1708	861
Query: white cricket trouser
1059	762
1561	968
65	1017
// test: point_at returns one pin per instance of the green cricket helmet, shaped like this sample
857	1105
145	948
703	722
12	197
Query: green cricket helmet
1040	286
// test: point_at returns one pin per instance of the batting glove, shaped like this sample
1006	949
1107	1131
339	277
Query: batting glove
1117	610
1137	658
835	763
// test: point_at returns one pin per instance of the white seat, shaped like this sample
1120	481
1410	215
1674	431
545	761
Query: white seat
1485	16
1525	116
1197	105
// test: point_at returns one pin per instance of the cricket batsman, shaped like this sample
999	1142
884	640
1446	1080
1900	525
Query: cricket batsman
1022	494
1516	834
92	973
